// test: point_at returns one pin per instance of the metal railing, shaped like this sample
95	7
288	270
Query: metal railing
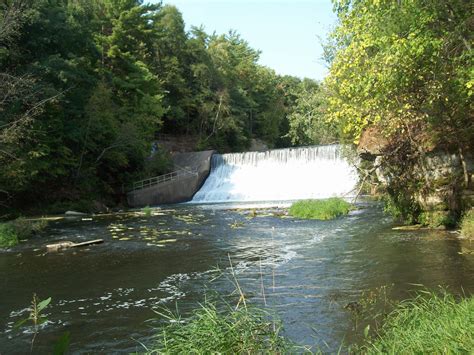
175	175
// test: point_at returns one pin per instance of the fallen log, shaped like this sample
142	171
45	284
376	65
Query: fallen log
68	244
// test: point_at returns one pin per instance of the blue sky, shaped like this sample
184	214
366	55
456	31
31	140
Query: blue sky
285	31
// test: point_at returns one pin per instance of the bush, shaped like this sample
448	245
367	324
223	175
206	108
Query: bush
429	324
158	164
436	219
208	331
320	209
467	224
8	237
21	228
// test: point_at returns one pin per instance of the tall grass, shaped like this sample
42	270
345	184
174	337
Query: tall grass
231	331
320	209
467	224
428	324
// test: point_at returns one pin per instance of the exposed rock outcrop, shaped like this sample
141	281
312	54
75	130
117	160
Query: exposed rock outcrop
438	181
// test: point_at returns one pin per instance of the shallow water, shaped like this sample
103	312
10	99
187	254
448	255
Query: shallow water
105	294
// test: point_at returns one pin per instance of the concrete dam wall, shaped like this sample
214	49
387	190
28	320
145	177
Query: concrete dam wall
179	189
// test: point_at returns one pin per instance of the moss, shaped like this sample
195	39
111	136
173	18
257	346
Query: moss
467	224
320	209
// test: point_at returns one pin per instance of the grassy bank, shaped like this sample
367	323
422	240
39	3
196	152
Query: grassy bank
320	209
245	330
428	324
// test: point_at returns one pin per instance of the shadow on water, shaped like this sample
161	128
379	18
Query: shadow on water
104	294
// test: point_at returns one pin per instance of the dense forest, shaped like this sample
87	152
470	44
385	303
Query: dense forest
86	87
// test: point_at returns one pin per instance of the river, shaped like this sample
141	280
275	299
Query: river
104	295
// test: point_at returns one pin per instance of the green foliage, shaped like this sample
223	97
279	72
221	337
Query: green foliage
401	206
8	237
428	324
400	64
19	229
467	224
25	228
36	316
436	219
232	331
320	209
158	164
308	118
403	69
84	86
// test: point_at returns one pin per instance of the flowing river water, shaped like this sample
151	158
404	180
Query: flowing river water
104	295
305	271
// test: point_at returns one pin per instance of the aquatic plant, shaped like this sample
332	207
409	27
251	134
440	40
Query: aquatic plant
8	237
21	228
320	209
36	317
430	323
147	211
467	224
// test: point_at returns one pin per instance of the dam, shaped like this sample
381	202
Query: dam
274	175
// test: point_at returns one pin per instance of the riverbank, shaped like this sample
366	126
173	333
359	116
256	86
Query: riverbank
431	322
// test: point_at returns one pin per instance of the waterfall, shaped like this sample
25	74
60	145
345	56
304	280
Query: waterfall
278	175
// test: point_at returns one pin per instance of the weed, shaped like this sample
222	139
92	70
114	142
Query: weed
35	317
232	331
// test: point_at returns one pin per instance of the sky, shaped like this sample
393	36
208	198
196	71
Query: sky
285	31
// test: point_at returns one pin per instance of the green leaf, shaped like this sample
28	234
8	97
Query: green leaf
62	344
20	322
366	330
43	304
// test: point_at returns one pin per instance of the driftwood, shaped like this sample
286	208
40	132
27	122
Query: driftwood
68	244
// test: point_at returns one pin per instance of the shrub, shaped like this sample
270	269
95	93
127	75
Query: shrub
320	209
428	324
436	219
8	237
467	224
20	228
208	331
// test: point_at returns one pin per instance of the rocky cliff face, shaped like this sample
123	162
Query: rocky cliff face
435	185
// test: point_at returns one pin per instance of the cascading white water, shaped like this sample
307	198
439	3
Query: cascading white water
278	175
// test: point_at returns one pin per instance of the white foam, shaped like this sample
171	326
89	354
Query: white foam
278	175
